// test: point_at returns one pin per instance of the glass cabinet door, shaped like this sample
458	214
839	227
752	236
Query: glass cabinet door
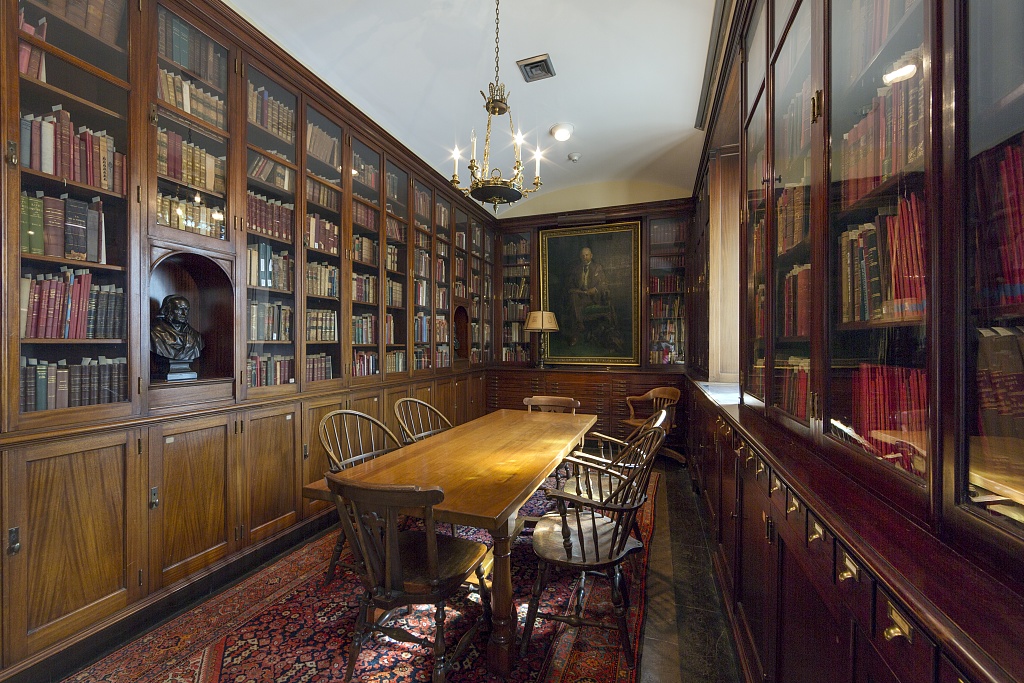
442	284
791	188
396	268
878	227
365	241
422	273
515	297
322	240
757	268
993	484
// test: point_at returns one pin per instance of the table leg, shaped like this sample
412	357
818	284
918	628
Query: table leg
504	622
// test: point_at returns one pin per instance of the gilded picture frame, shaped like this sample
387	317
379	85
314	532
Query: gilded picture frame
596	302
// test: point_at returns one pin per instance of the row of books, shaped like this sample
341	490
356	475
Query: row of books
365	173
998	178
667	307
264	370
365	328
668	262
63	227
46	385
270	217
441	268
319	366
365	363
188	216
392	188
517	251
792	382
421	326
270	172
882	265
270	321
394	230
364	216
68	305
188	163
889	139
443	218
321	325
459	266
322	234
32	59
421	263
422	240
188	47
757	265
792	135
515	289
796	302
661	232
364	249
270	114
460	238
888	403
441	299
394	293
421	206
459	289
663	336
512	332
100	18
1000	380
364	288
50	145
421	293
868	24
395	361
421	359
442	356
516	271
515	354
389	330
322	279
322	195
269	268
665	284
322	146
182	93
793	209
393	258
515	310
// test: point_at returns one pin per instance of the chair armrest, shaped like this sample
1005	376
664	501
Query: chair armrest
562	497
629	404
598	436
591	467
589	458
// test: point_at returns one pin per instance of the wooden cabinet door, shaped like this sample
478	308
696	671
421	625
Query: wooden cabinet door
731	458
74	539
444	398
461	394
194	491
756	569
477	396
391	396
314	456
272	491
868	664
367	401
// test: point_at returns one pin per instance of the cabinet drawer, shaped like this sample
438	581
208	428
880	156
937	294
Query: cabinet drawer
762	473
907	650
794	513
855	586
820	545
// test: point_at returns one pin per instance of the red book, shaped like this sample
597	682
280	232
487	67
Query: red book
37	141
33	309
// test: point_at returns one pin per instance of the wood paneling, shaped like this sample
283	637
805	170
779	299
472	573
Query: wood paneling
273	494
314	455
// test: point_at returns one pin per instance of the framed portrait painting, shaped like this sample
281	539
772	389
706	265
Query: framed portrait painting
590	279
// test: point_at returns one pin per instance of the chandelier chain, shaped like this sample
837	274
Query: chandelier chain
496	2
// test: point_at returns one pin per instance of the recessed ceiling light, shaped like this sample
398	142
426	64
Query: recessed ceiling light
561	131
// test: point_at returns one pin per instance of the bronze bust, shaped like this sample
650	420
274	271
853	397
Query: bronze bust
173	342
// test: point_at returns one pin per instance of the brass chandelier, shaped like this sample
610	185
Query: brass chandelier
486	184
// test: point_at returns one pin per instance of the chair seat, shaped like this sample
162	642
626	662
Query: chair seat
457	558
548	542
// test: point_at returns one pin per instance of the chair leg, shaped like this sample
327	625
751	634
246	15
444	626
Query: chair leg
439	647
358	636
531	612
485	595
335	556
615	576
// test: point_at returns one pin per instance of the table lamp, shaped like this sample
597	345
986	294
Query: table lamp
541	321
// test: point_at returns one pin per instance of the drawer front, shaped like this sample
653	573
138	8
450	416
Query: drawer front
901	642
855	586
793	515
820	546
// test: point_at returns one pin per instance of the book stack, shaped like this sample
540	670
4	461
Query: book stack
421	293
31	59
188	216
264	370
51	385
364	328
441	329
319	367
796	302
442	356
67	305
322	279
442	300
270	172
998	176
516	354
323	147
889	401
421	359
421	328
661	284
394	293
185	95
188	163
1000	377
270	217
321	234
395	361
269	268
181	43
442	216
421	208
270	321
364	249
63	227
50	145
395	230
364	288
321	325
324	196
793	209
364	363
270	114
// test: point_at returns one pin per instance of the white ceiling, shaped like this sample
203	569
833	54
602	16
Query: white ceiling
628	77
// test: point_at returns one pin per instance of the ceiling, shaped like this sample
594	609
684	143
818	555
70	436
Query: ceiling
628	77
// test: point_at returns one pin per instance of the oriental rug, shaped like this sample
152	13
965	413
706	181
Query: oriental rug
281	625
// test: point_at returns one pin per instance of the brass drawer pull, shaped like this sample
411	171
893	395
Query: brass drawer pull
850	569
817	533
776	485
900	626
794	506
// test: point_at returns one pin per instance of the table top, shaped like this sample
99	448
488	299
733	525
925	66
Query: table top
487	467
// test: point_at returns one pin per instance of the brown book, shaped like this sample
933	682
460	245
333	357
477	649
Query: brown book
53	226
62	395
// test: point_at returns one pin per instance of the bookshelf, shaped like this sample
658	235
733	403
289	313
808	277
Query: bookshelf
73	241
515	297
323	248
396	269
366	260
475	287
460	287
426	278
757	253
487	298
666	275
270	268
443	220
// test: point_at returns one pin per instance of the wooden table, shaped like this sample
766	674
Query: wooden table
487	468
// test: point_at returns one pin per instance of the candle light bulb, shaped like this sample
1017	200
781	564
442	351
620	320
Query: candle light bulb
455	156
536	157
472	139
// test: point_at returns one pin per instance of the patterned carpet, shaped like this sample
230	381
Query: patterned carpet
279	624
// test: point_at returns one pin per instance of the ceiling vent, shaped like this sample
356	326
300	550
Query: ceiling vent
536	68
